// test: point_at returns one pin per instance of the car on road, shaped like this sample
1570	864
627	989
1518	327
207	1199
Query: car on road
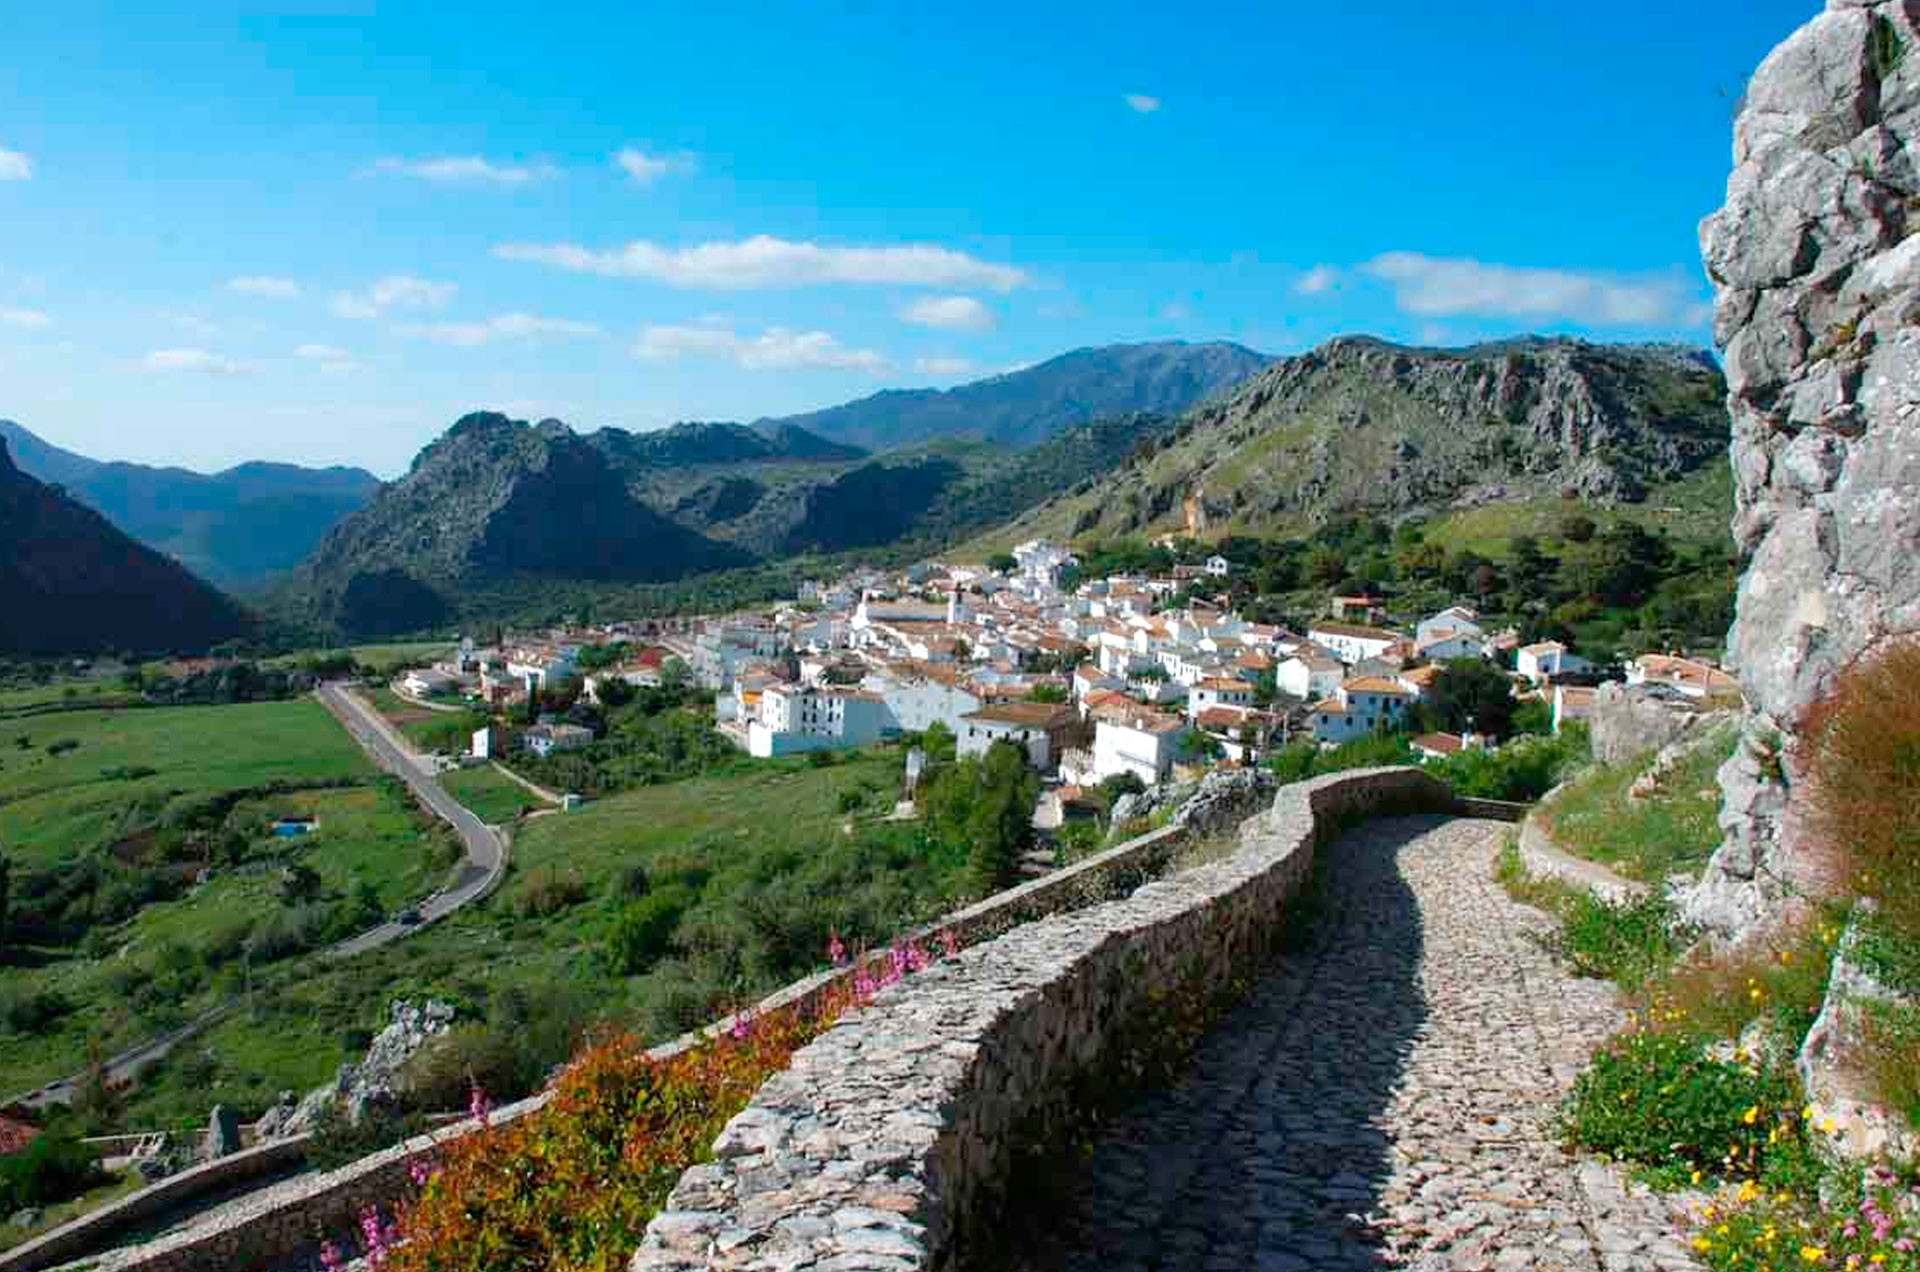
408	916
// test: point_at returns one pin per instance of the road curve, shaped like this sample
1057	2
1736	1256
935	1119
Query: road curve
486	855
480	870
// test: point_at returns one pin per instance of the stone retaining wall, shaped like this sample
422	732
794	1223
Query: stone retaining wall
886	1142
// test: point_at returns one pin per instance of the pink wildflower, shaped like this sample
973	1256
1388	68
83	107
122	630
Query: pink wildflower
330	1257
836	948
742	1027
478	1105
377	1236
419	1170
950	941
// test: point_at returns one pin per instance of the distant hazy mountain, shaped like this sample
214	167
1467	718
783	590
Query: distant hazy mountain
493	502
238	528
1024	408
71	583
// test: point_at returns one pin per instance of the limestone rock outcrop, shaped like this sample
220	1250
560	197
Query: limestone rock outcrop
1816	270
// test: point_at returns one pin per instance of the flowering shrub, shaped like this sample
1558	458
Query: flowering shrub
1661	1100
571	1187
1857	1223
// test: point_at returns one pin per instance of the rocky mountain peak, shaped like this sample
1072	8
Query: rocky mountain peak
1816	272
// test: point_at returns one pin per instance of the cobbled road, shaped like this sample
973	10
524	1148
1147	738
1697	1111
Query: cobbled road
1384	1098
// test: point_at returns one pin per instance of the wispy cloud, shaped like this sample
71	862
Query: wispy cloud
402	291
511	326
1141	103
950	313
468	170
1176	311
644	169
14	166
329	358
24	319
190	360
1319	279
1432	287
775	349
943	366
265	285
766	262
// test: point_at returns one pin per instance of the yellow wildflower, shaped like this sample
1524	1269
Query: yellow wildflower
1879	1256
1812	1254
1752	1114
1696	1176
1702	1244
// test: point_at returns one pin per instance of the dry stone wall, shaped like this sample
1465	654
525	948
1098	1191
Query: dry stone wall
885	1143
1816	270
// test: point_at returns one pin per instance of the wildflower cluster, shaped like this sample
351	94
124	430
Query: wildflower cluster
1855	1223
571	1187
1660	1098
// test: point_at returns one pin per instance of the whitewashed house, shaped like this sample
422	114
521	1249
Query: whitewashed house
1353	642
1217	692
1540	662
797	718
1372	704
1309	675
1143	743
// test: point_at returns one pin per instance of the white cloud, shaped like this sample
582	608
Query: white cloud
1141	103
643	168
25	319
468	169
1176	311
265	285
14	166
194	324
775	349
190	360
329	358
943	366
1321	278
512	326
402	291
950	313
764	262
1431	287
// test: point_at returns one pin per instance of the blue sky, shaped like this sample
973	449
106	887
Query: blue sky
227	232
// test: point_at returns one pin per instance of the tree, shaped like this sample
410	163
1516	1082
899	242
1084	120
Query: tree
1047	693
1577	527
1469	695
299	884
1002	563
984	804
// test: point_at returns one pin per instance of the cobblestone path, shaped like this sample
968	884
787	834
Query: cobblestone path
1384	1098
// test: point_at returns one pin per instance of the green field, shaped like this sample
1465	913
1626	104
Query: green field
763	833
55	805
368	836
384	659
492	798
61	693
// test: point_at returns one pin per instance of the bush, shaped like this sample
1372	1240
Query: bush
1863	782
440	1076
643	934
1659	1100
54	1168
1624	941
291	931
550	891
33	1013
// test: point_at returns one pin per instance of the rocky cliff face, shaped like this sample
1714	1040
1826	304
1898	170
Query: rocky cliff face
1816	267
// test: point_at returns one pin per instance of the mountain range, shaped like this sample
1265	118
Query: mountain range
1025	407
239	528
72	583
1095	444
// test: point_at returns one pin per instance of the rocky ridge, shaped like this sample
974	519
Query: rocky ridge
1816	271
1363	427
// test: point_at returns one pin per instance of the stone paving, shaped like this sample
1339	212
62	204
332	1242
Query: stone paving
1384	1099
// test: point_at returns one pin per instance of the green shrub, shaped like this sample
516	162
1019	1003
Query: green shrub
1660	1101
53	1168
643	934
550	891
1623	941
440	1076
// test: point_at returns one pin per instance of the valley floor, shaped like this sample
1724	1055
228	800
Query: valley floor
1384	1098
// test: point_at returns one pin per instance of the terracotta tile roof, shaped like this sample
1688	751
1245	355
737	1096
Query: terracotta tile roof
16	1134
1358	630
1032	715
1377	684
1439	743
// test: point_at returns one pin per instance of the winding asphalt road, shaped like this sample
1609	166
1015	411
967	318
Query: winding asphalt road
480	870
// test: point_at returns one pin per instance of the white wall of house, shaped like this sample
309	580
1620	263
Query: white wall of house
1118	748
1303	680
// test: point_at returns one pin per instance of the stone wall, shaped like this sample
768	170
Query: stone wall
886	1142
1816	272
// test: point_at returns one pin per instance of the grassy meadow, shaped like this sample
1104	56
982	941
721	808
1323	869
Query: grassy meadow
69	781
492	798
1671	831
